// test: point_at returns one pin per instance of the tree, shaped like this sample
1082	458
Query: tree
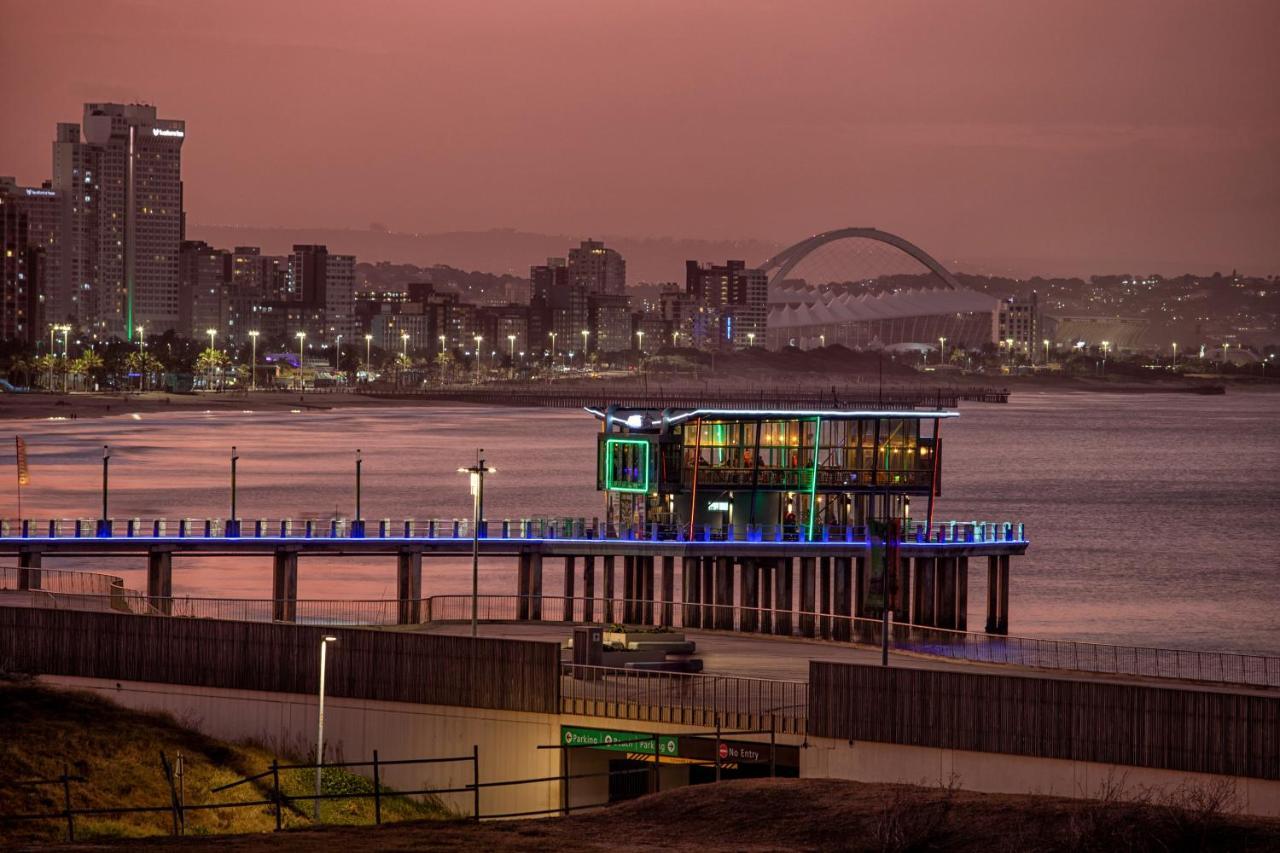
211	361
50	368
84	367
144	364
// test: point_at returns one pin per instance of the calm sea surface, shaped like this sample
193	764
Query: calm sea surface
1154	519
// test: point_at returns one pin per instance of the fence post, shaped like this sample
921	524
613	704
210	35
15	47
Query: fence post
773	748
717	747
475	782
275	790
377	792
66	800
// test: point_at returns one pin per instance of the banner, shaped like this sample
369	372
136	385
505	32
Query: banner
24	473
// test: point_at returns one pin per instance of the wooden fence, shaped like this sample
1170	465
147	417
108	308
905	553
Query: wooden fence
515	675
1174	729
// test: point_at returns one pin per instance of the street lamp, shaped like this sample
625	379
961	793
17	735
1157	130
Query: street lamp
942	350
1175	353
553	347
479	355
751	339
511	340
337	356
640	335
253	360
823	339
1105	346
1046	350
212	333
404	344
324	645
585	334
301	336
476	472
141	340
65	356
368	349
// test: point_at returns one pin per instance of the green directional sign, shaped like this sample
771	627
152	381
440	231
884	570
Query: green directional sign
635	742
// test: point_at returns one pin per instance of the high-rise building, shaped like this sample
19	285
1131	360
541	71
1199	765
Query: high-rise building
610	323
557	306
139	218
72	295
597	268
1020	321
31	227
204	291
731	304
319	293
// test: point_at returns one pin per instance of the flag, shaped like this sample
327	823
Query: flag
24	473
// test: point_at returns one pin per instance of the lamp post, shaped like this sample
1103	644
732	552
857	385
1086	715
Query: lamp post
53	331
106	467
823	339
141	339
1105	346
1046	350
212	333
368	350
359	464
1175	353
302	336
476	472
511	342
585	334
66	355
942	350
478	339
640	344
751	340
324	645
208	382
337	356
253	360
404	344
553	347
235	457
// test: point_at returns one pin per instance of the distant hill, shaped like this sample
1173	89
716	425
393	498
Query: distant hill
499	251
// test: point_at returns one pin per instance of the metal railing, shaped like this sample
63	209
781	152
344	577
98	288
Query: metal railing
941	532
682	698
62	581
1237	668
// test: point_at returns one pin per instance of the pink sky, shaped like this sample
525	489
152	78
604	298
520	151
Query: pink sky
1081	131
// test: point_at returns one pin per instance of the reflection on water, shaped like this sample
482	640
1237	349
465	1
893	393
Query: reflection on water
1152	517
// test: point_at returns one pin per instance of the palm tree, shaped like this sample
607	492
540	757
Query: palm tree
144	364
85	366
208	362
51	367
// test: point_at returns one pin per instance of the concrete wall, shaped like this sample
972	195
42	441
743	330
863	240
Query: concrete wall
508	740
869	761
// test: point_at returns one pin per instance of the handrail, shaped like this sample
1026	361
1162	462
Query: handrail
506	529
1225	667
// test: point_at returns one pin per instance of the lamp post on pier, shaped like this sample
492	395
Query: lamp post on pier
233	525
476	473
106	468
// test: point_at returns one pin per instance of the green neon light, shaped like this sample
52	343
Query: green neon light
624	486
813	483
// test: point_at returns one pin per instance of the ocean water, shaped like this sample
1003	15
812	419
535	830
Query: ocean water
1154	518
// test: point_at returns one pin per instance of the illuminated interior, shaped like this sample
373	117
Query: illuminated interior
681	469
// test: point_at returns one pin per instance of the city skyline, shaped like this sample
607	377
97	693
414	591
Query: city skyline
1151	139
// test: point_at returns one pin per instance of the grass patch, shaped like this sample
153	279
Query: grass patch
117	751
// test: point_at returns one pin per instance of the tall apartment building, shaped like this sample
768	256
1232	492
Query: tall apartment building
597	268
30	228
557	306
726	305
1020	322
609	323
139	218
72	295
204	291
319	293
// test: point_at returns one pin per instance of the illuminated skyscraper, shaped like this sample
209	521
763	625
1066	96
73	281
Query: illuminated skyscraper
597	268
127	178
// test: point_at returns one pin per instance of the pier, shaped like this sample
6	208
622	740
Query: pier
655	570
